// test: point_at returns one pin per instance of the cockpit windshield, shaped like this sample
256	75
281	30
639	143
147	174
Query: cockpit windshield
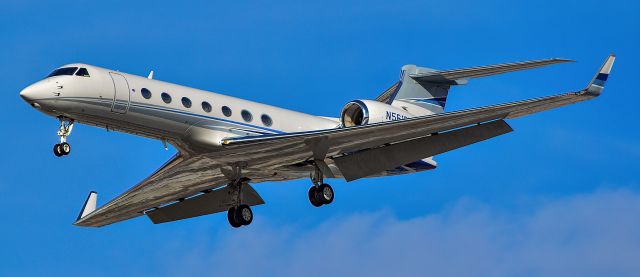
63	71
82	72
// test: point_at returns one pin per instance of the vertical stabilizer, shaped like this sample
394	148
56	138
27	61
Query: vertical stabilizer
419	97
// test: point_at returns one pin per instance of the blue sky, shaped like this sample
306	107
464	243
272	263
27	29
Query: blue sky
559	196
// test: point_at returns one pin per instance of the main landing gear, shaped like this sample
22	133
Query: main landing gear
239	214
63	148
320	193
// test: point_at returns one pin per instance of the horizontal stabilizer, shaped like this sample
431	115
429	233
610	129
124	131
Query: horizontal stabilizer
89	205
451	76
368	162
207	203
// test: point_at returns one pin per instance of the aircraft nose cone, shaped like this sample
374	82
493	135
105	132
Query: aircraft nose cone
32	94
28	93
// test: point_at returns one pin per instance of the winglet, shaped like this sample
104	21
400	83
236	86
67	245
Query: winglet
89	205
150	75
596	85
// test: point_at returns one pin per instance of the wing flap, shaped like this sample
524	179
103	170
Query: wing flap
207	203
368	162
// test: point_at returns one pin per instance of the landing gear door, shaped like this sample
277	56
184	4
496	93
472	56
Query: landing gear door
120	93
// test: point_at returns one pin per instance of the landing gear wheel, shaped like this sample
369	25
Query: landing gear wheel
313	197
231	216
325	194
65	148
57	150
244	215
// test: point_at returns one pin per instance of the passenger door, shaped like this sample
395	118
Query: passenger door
120	93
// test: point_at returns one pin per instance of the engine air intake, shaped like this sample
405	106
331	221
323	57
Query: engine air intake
353	114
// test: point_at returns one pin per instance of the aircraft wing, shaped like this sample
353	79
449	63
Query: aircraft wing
180	178
344	142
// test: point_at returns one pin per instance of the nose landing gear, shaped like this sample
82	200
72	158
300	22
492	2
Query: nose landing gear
63	148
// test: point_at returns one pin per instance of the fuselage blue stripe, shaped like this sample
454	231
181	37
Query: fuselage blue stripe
140	105
207	117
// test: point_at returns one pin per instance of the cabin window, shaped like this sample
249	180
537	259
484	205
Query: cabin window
266	120
82	72
145	93
226	111
206	106
246	115
166	97
63	71
186	102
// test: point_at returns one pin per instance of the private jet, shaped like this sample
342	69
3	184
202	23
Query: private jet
225	144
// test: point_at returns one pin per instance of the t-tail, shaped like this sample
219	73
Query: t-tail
423	91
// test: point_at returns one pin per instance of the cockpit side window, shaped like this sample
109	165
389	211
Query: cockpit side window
63	71
83	72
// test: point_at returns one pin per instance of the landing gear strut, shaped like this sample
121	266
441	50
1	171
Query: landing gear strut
239	214
320	193
63	148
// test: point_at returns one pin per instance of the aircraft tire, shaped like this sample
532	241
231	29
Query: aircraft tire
57	150
325	194
313	198
231	216
244	214
65	148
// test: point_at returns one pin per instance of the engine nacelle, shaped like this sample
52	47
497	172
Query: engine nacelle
363	112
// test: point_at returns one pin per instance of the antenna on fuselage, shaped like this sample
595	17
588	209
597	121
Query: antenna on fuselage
150	75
